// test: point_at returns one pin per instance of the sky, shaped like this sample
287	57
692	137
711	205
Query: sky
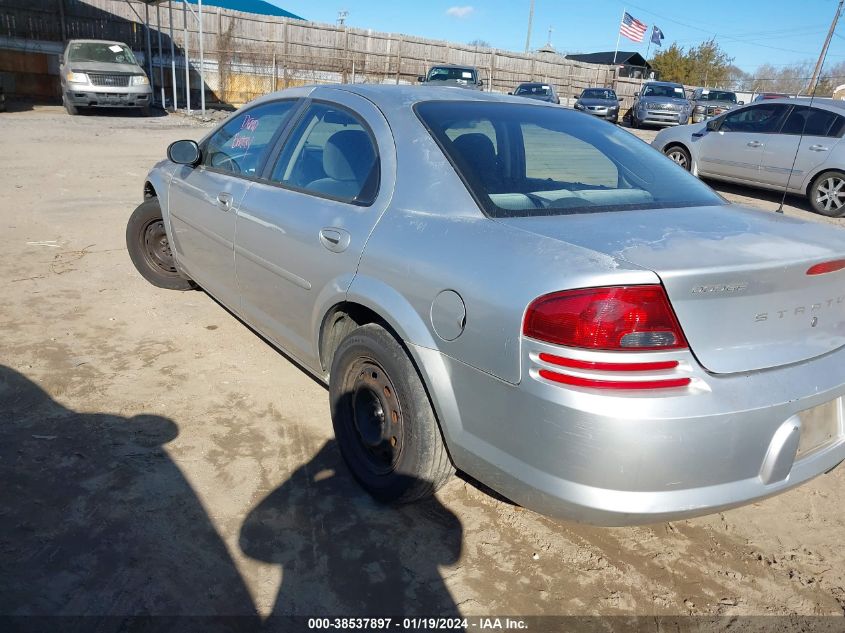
753	32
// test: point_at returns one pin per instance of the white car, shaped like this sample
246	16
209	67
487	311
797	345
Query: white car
792	144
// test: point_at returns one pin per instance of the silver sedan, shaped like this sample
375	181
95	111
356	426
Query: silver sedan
515	290
784	144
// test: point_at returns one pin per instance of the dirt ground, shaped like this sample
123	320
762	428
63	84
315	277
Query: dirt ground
157	457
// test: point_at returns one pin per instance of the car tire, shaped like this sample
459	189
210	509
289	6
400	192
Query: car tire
149	248
383	420
70	108
145	110
634	123
827	194
679	155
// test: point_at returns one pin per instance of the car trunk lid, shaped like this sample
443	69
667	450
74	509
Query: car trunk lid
737	278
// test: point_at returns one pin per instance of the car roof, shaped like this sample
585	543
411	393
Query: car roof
389	96
823	102
86	41
534	83
454	66
664	83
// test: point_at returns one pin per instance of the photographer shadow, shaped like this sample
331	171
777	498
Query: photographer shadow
345	555
97	520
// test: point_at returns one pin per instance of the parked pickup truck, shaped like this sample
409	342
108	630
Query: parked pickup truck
707	103
451	75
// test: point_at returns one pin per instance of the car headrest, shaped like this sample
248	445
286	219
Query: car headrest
348	155
477	150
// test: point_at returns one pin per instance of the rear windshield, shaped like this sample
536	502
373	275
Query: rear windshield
598	94
534	89
529	160
664	91
104	52
447	74
718	95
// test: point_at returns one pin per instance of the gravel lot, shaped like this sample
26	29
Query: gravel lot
157	457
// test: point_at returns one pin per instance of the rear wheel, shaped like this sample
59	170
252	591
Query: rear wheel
827	194
385	425
149	248
679	155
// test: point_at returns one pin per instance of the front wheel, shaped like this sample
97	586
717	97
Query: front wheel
70	108
679	155
149	248
385	425
827	194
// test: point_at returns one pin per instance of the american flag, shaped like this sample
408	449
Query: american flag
632	28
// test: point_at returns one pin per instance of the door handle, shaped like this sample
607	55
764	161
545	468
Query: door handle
224	200
334	239
754	144
818	148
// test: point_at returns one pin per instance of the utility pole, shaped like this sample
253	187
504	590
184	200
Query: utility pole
341	17
811	87
530	22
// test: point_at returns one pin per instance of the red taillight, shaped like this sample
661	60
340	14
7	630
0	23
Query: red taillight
594	383
599	366
619	318
826	267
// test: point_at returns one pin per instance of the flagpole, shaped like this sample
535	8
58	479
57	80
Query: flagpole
618	35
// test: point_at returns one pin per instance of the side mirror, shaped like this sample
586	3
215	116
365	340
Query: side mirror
421	79
510	93
480	82
741	103
184	153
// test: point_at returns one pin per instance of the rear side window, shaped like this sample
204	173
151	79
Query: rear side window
812	122
239	146
528	160
331	153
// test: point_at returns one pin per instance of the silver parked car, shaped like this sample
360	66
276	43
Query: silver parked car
516	290
538	91
775	144
102	73
600	102
660	103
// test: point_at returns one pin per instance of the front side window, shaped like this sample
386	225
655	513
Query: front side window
331	153
239	146
102	52
758	119
526	160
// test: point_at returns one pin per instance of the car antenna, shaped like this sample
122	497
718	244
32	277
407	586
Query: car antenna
814	84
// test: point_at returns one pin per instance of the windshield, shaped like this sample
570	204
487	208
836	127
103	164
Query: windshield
718	95
104	52
664	91
534	89
447	74
527	160
599	94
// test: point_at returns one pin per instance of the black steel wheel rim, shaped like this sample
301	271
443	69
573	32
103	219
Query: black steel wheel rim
375	416
156	247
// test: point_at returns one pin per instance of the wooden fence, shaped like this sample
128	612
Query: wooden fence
292	50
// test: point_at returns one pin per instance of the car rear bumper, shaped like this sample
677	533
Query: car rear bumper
102	96
623	459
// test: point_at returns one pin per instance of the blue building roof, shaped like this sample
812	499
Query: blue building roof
249	6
